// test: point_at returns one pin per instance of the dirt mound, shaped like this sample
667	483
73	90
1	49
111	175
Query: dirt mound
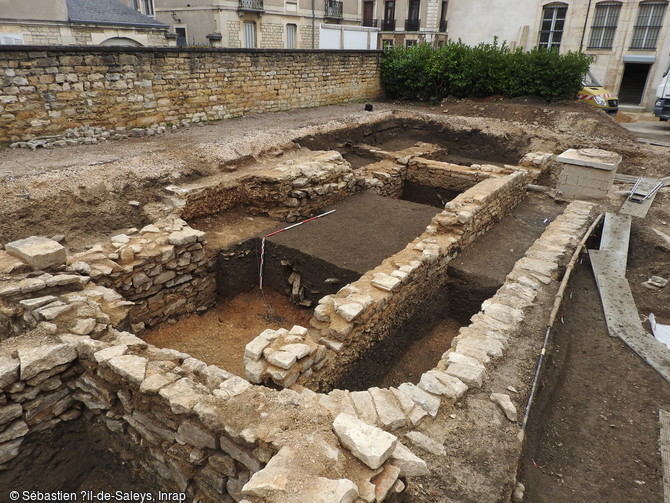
562	116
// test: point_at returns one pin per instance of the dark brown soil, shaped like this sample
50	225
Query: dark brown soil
71	457
364	230
594	432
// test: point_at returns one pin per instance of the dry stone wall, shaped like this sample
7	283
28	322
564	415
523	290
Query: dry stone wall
45	91
365	311
162	269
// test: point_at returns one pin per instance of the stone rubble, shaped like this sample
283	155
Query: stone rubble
185	412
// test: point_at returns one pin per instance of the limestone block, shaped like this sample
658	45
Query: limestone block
505	403
235	386
152	425
388	412
385	281
254	370
83	326
410	465
281	359
9	371
154	383
130	367
39	252
42	358
298	330
17	429
10	450
370	444
491	347
111	352
191	433
429	403
36	302
254	349
503	313
439	383
323	490
342	400
470	374
185	236
239	454
273	478
298	350
365	406
334	345
65	279
426	443
182	395
10	412
349	311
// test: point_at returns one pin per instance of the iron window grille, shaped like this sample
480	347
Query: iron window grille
648	25
604	25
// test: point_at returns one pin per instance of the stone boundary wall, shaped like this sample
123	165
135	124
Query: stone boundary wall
45	90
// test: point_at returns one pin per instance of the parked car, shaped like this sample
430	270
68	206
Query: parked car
662	105
595	94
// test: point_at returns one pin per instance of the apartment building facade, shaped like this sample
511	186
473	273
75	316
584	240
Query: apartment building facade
628	39
290	24
407	22
78	22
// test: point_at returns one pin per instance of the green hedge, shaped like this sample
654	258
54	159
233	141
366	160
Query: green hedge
426	73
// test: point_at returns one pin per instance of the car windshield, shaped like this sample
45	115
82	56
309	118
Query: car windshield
590	81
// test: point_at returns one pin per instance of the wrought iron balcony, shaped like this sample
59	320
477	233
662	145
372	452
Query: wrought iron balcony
370	22
388	25
251	5
443	25
333	9
412	24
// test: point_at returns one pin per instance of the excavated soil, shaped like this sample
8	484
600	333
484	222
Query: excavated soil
594	431
230	324
73	457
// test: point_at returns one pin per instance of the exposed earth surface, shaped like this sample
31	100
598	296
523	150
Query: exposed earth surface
593	434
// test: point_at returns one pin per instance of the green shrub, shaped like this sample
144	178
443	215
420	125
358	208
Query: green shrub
424	73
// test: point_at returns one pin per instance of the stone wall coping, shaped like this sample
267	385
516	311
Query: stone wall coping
174	50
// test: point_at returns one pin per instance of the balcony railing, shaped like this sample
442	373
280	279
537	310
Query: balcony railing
443	25
412	24
251	5
333	9
370	22
388	25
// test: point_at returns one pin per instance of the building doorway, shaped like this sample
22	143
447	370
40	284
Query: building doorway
633	83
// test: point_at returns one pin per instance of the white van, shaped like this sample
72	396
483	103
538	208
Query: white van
662	105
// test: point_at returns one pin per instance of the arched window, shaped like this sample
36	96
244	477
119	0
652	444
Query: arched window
121	41
605	20
553	22
648	25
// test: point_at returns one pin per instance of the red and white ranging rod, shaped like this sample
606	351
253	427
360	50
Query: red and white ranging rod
260	270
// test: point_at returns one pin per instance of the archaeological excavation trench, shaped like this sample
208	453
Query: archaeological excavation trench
391	314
